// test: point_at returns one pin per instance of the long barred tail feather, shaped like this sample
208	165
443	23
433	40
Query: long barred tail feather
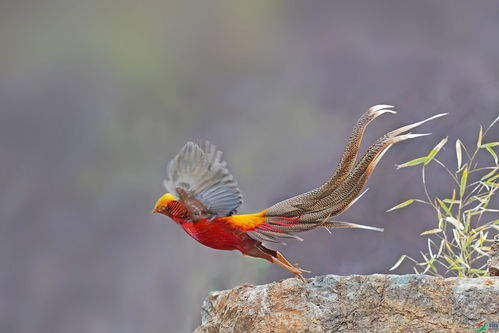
341	224
314	209
291	206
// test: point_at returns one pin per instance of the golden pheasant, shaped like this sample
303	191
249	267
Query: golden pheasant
203	196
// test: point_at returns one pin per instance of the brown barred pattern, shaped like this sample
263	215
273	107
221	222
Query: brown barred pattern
315	208
177	210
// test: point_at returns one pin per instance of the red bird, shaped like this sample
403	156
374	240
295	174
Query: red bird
203	196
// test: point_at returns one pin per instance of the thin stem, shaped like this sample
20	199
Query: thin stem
490	126
447	169
483	168
425	188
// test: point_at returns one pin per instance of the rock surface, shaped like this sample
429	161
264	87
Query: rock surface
493	262
372	303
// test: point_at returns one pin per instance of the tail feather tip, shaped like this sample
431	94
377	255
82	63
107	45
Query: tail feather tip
382	108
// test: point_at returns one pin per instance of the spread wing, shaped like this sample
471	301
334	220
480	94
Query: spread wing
199	173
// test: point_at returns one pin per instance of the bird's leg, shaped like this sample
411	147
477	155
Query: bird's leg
260	251
295	270
281	258
278	258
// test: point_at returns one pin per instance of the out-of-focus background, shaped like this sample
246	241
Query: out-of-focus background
97	96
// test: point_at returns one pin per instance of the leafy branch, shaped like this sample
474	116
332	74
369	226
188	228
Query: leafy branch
460	239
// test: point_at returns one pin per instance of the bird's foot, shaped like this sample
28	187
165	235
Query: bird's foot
297	271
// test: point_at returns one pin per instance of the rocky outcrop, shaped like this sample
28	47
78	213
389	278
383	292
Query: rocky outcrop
372	303
493	262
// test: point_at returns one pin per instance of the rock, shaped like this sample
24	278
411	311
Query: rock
372	303
494	258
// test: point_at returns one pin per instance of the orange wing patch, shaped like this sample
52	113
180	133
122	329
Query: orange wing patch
246	222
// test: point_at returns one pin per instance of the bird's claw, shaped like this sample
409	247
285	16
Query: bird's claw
297	271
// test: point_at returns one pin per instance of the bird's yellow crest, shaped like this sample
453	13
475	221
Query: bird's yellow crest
163	202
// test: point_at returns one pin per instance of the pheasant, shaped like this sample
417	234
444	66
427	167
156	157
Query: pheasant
203	196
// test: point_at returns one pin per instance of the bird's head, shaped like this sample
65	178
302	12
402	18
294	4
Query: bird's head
162	204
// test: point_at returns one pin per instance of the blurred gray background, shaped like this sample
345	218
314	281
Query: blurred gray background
97	96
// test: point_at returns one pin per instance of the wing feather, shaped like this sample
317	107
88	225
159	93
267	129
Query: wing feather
200	170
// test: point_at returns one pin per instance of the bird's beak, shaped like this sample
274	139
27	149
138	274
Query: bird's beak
155	210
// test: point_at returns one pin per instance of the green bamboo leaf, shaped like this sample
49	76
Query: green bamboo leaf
412	162
429	248
490	144
469	240
491	151
455	222
435	151
428	266
480	135
477	249
440	222
494	178
399	261
432	231
452	263
467	222
447	210
463	262
459	154
492	184
401	205
464	178
489	174
450	201
482	238
440	248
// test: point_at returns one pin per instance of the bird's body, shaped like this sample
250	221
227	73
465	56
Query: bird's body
218	234
203	197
